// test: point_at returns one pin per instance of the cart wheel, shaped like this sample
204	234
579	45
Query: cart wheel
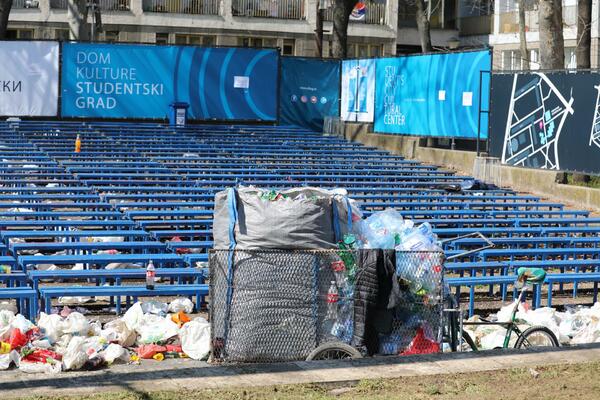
536	336
334	351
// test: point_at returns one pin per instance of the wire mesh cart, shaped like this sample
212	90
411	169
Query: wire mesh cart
289	305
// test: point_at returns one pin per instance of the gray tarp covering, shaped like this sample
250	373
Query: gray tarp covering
304	219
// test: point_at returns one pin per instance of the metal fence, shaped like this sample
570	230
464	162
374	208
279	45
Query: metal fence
375	14
283	9
278	305
201	7
104	5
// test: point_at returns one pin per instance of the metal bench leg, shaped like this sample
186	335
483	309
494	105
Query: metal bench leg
48	304
549	294
575	284
595	292
471	301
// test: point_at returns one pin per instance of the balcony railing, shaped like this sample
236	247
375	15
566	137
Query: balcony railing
104	5
479	25
374	15
201	7
25	4
283	9
509	22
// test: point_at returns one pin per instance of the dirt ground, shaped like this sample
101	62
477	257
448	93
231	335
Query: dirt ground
576	381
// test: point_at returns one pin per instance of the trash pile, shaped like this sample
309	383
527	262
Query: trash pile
576	325
69	341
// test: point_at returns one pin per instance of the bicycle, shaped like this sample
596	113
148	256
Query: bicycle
535	336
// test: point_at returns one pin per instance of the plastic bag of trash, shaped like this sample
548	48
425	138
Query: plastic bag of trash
115	353
10	358
154	307
381	230
74	299
133	316
118	331
94	345
494	339
22	323
195	338
52	326
75	355
181	304
76	324
590	333
155	329
8	307
39	368
6	317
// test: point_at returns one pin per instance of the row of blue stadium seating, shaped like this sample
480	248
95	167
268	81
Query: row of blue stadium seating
145	191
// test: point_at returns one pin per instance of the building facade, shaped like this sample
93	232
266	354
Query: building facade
287	24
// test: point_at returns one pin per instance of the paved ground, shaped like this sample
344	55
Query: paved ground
178	374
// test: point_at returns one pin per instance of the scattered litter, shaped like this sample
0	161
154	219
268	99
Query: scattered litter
181	304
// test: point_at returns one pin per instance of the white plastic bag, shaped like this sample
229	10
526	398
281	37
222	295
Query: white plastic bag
154	307
21	323
52	325
76	324
181	304
114	353
40	368
133	316
75	355
195	338
5	305
7	359
6	317
118	331
155	329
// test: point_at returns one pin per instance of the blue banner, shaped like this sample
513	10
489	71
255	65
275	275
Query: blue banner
140	81
358	90
309	91
433	95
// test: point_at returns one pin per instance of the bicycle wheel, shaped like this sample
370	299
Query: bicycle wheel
536	336
334	351
467	339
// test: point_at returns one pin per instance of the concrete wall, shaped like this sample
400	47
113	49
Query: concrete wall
538	182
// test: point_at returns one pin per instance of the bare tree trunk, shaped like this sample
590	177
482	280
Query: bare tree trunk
5	6
552	46
423	27
77	13
583	51
523	35
584	33
341	15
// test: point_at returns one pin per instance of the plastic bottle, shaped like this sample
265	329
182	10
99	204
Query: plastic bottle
332	300
150	275
78	144
339	270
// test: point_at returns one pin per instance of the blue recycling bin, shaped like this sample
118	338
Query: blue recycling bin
178	114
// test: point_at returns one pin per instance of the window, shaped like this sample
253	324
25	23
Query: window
61	34
570	58
364	50
196	40
162	38
511	60
19	34
288	48
257	42
534	61
111	36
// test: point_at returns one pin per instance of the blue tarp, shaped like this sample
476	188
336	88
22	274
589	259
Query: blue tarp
140	81
309	91
433	95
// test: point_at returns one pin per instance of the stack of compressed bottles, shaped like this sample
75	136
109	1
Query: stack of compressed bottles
418	267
